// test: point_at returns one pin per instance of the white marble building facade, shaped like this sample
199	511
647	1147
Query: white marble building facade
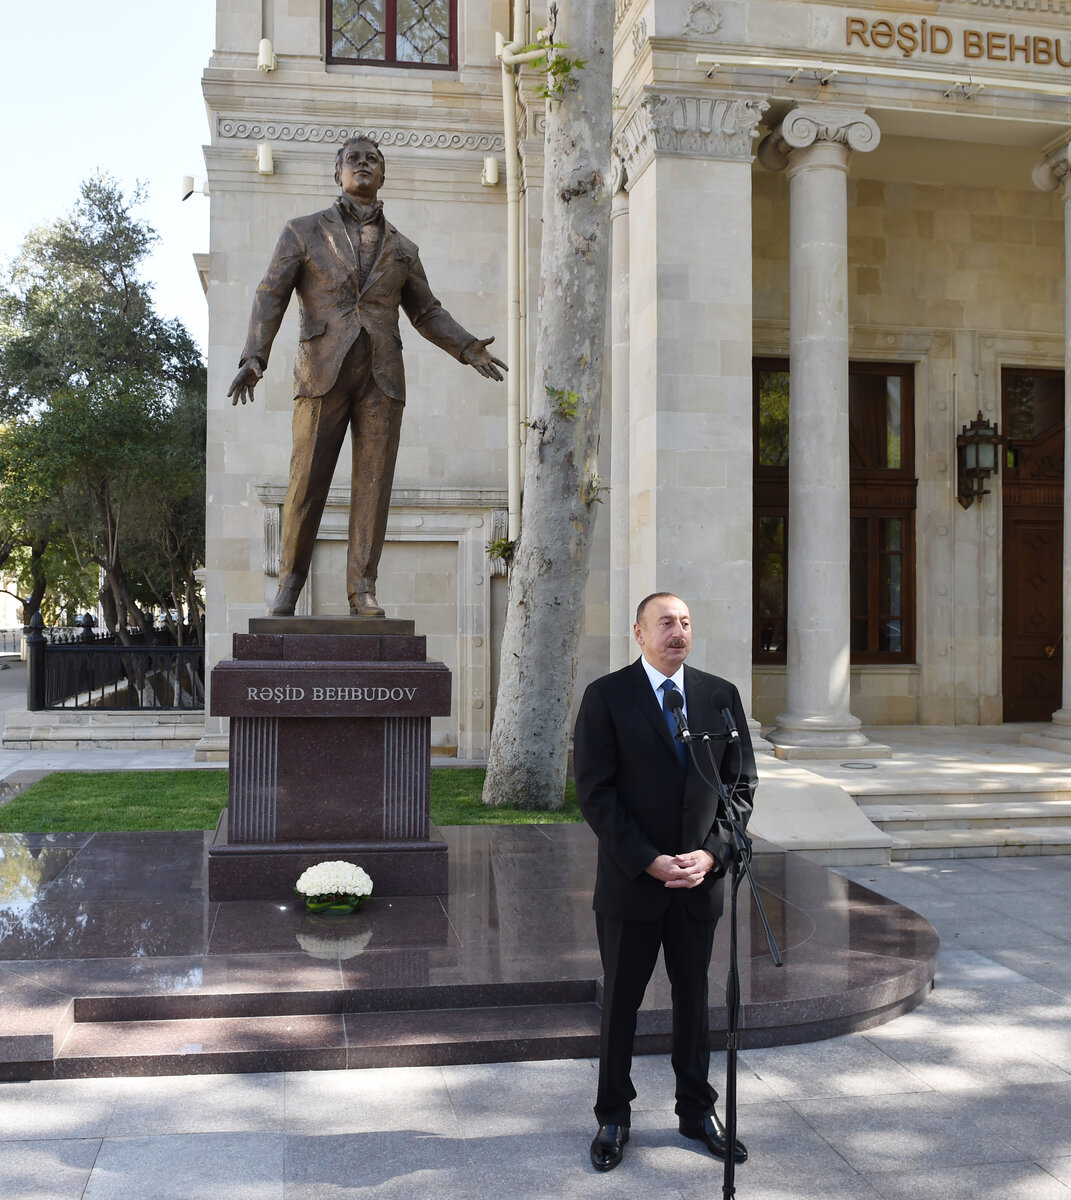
838	190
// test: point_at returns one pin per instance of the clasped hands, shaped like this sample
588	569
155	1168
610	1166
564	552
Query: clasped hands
682	870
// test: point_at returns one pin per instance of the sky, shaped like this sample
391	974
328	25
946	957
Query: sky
113	86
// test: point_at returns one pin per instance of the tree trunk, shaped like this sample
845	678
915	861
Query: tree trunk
176	626
194	609
529	742
109	608
32	603
123	604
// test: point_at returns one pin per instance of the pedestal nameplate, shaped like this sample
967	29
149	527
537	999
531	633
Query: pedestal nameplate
317	689
330	747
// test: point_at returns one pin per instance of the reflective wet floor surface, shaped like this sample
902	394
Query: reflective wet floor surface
113	961
967	1098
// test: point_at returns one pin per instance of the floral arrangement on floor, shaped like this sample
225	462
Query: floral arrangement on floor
334	887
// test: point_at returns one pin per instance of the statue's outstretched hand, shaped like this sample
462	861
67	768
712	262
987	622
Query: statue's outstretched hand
477	355
245	381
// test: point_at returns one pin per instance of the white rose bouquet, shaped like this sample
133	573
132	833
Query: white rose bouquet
334	887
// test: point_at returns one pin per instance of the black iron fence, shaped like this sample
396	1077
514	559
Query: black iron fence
93	671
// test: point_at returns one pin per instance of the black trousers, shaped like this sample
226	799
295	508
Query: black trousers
629	952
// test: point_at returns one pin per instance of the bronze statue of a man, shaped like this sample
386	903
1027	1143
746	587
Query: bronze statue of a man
352	271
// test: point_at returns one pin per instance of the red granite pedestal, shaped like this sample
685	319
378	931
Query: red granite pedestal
330	756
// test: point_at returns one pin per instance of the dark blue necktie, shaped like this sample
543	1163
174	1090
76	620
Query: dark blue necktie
671	721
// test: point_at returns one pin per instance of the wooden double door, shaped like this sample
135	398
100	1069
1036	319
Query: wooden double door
1033	496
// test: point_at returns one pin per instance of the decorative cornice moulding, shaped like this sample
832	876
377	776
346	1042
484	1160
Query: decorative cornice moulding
421	139
1033	6
1024	9
478	499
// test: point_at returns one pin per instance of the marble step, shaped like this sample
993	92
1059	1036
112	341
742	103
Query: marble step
89	729
985	842
328	1041
958	792
1011	811
190	1006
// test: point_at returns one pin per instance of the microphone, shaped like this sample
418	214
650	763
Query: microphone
722	700
675	704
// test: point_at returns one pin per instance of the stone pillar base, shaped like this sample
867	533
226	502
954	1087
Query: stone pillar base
823	737
758	742
1056	737
867	749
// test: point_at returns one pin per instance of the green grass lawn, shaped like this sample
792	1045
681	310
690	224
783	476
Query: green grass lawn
94	801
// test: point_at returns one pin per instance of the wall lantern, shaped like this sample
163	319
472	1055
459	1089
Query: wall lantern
266	58
489	175
976	459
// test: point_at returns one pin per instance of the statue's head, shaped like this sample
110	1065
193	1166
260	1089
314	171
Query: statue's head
363	139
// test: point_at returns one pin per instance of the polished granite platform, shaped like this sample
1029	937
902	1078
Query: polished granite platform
114	962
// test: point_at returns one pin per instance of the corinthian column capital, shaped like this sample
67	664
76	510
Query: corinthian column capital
1054	170
808	124
696	123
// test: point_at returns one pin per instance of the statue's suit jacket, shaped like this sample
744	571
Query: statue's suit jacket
314	257
639	800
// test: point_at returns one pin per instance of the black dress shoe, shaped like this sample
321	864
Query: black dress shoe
711	1132
608	1148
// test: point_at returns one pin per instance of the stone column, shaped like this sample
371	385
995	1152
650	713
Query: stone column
688	155
1055	172
621	642
814	142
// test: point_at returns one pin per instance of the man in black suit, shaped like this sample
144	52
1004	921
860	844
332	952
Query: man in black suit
352	271
663	855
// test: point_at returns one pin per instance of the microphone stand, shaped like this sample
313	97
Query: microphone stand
741	865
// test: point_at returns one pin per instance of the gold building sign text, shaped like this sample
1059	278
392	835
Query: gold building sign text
908	39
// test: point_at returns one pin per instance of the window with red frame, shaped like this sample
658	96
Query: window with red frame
393	33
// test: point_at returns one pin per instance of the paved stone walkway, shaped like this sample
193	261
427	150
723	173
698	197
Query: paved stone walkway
967	1098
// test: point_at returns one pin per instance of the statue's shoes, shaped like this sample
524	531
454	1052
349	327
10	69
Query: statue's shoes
364	604
285	601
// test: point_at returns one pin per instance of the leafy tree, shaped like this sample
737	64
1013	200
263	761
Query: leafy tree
549	567
28	526
77	313
168	542
48	578
95	387
82	457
